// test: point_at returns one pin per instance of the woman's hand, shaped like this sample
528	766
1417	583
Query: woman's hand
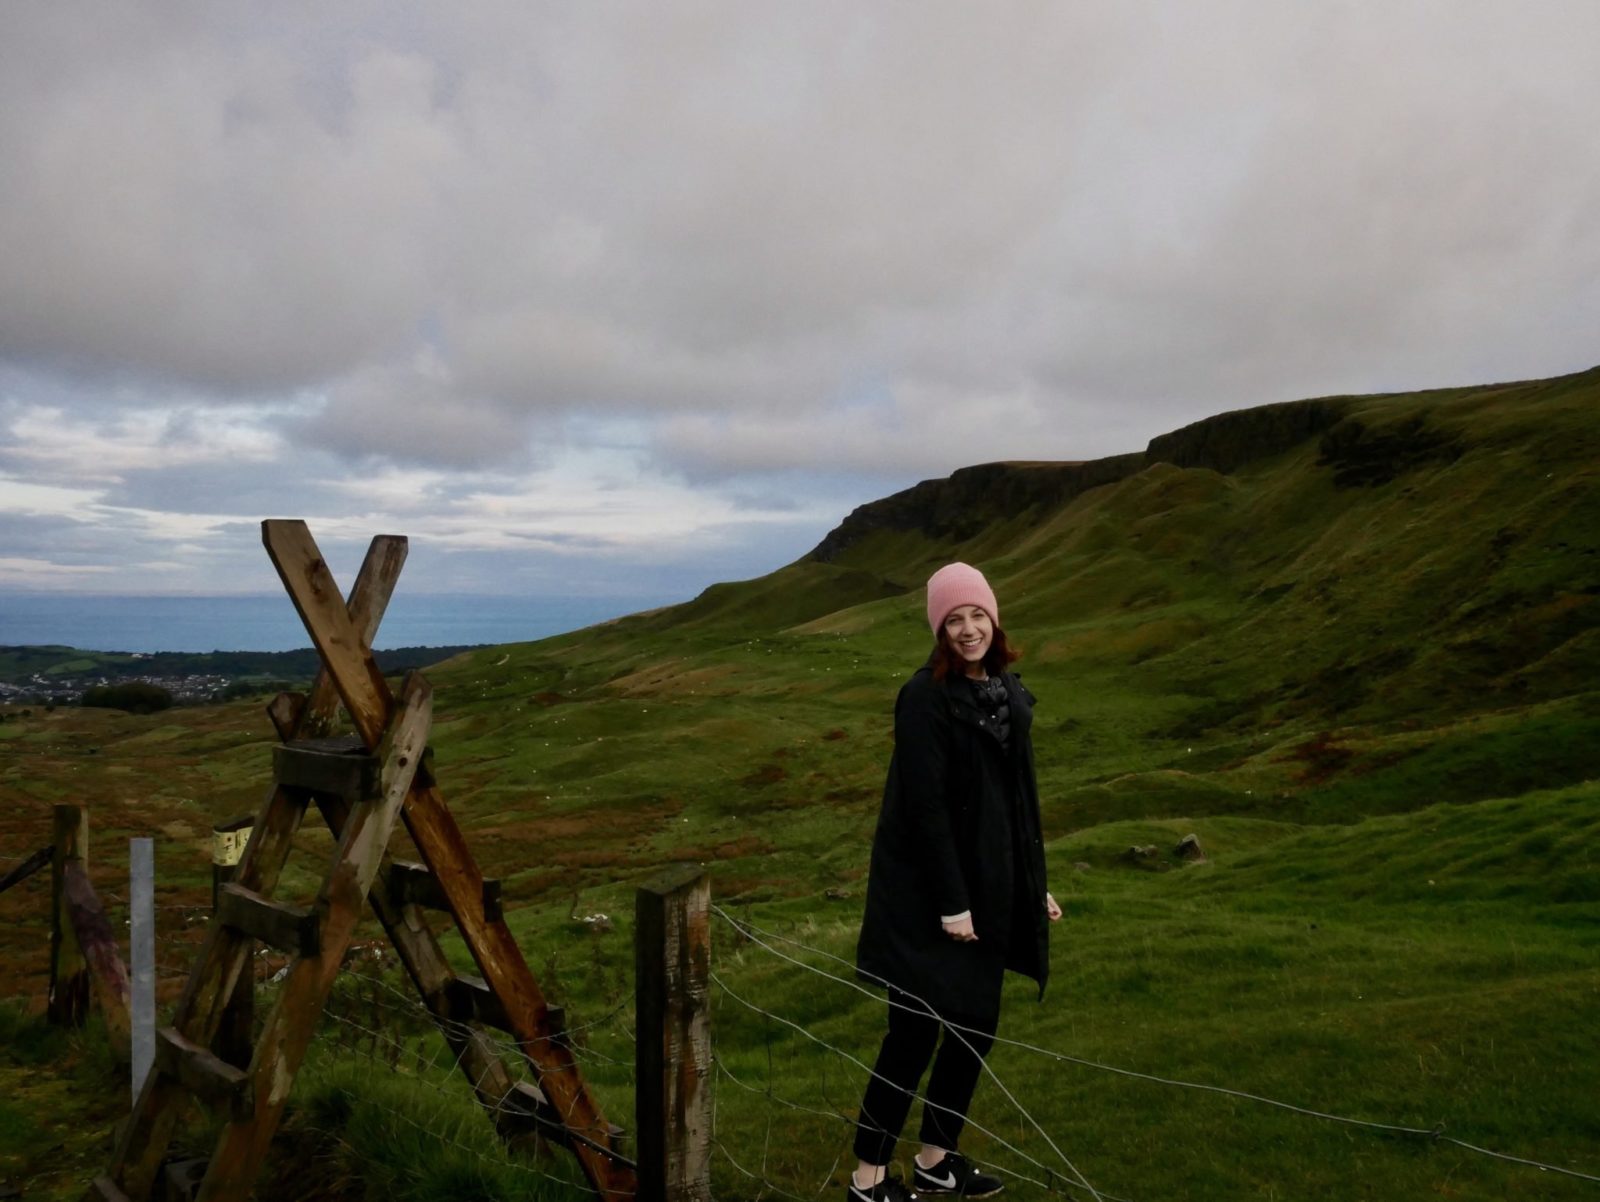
1052	908
960	930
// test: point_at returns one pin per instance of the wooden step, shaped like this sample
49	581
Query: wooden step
293	930
525	1108
341	767
210	1079
470	1000
411	884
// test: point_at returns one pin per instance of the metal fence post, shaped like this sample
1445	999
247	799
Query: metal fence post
142	957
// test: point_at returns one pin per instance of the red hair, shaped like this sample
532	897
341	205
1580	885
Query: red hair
946	659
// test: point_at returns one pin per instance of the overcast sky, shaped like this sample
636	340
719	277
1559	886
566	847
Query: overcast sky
629	298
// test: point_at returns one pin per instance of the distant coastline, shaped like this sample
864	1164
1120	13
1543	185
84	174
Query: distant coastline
267	622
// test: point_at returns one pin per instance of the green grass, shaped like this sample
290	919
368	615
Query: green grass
406	1137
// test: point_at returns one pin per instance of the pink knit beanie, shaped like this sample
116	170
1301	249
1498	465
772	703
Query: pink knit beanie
958	584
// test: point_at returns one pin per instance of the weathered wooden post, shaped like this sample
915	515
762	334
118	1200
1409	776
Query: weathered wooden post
97	942
236	1035
672	962
69	974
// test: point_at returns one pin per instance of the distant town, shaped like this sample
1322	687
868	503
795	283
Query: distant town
65	675
39	689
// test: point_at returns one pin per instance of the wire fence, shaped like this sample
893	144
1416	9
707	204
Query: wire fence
375	1018
1073	1183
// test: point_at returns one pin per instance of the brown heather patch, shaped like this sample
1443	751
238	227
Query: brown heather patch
705	679
852	793
730	887
537	884
734	887
744	845
653	678
592	858
769	774
834	735
1322	757
535	832
731	849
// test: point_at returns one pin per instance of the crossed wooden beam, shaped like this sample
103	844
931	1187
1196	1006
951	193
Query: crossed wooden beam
393	732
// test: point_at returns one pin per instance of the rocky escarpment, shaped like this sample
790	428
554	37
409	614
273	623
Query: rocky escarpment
1226	442
971	499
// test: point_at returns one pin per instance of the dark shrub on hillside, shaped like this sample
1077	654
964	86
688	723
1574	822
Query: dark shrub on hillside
255	688
134	696
1362	456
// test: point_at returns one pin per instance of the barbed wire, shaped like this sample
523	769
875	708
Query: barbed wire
926	1102
961	1034
1435	1134
843	1118
424	1021
504	1044
447	1064
435	1132
722	1147
721	1066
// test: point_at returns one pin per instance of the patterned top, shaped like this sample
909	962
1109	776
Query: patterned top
991	695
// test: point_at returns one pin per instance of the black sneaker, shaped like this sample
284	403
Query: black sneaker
955	1175
890	1189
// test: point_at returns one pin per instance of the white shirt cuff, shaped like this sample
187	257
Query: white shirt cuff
949	918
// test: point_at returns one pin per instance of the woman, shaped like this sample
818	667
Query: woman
956	893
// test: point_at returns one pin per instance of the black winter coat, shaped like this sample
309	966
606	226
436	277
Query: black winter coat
959	830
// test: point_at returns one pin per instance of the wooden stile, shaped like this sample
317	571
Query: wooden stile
236	1033
346	655
290	1026
444	850
369	600
390	761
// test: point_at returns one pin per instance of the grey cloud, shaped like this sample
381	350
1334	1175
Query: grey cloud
873	241
751	209
765	502
412	413
224	488
179	210
129	556
44	534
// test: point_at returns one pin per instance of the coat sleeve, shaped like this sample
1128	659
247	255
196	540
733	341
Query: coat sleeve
922	739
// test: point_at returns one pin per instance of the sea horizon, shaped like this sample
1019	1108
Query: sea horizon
268	622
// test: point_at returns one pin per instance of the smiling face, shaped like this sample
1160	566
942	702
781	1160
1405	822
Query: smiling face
968	629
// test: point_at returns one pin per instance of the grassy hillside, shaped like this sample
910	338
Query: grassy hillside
1352	644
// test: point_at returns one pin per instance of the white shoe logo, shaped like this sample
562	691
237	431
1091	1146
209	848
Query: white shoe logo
948	1183
864	1195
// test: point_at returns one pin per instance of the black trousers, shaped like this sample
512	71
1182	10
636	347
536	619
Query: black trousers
914	1033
